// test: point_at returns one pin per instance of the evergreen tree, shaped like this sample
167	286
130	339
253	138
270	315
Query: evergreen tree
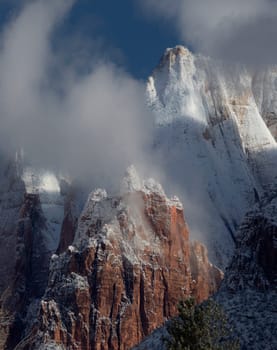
200	327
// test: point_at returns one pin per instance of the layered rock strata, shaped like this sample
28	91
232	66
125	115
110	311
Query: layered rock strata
129	265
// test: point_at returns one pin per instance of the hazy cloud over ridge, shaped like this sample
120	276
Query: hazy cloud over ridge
244	30
92	124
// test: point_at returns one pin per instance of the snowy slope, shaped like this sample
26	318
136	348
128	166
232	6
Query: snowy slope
265	91
211	142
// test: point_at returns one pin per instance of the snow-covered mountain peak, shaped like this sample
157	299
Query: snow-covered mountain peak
212	140
171	81
172	54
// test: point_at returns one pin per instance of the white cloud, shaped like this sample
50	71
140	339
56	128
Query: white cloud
25	54
227	28
92	124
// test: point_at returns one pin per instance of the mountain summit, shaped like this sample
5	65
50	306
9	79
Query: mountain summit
212	140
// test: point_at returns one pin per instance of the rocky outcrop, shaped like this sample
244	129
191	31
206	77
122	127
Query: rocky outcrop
255	260
29	277
29	221
11	199
12	192
249	290
129	265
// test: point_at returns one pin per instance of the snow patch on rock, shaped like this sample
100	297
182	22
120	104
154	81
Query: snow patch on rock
212	143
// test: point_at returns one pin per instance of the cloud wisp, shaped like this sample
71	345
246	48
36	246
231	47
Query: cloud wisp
89	125
242	30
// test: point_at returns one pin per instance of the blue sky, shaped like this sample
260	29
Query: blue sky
103	109
90	125
121	25
227	29
135	40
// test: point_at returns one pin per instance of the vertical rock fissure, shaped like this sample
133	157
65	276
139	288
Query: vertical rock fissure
128	278
165	298
143	316
118	324
94	311
111	318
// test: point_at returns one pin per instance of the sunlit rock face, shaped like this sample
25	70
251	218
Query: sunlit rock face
212	141
129	264
248	292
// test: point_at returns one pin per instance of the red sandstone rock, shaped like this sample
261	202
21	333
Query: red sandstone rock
130	264
206	277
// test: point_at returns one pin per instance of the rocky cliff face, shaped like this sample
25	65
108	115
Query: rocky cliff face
249	291
130	263
212	141
11	199
12	192
31	210
255	262
29	278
